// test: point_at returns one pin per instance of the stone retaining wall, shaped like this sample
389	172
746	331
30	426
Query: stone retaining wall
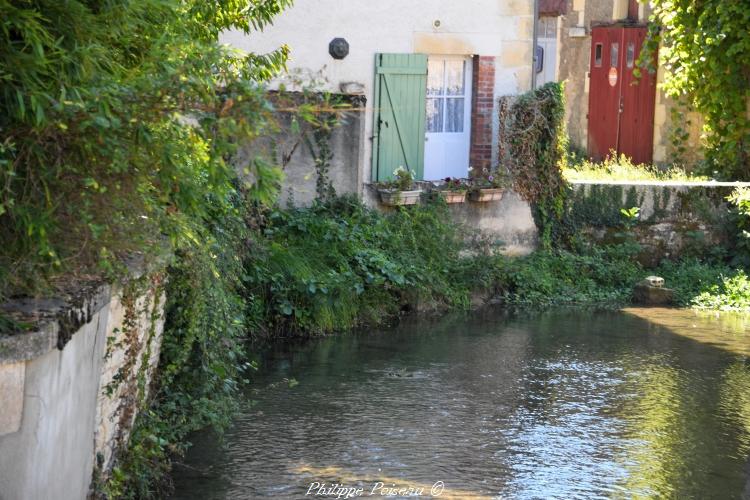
70	387
674	219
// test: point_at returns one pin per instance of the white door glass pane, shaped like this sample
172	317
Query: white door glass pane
547	27
551	27
614	55
434	115
435	77
454	115
454	80
448	127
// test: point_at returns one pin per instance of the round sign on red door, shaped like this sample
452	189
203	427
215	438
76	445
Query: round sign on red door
612	76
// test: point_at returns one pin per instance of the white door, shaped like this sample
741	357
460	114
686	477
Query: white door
547	30
448	127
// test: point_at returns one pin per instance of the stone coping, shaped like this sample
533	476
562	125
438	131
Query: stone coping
53	320
663	183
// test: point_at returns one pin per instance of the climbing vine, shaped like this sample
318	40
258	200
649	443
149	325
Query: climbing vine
533	147
312	116
705	49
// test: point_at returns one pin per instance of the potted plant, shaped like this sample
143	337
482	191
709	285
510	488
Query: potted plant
399	191
487	186
452	190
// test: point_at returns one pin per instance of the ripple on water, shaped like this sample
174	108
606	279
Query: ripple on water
560	405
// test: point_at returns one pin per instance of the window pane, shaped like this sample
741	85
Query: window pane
455	77
631	54
547	27
454	115
434	115
598	55
551	27
614	55
435	76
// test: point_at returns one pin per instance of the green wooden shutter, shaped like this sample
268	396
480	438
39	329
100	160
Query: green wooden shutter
399	129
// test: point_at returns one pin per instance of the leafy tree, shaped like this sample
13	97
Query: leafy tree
706	52
119	116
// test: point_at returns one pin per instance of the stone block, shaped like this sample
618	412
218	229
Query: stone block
644	293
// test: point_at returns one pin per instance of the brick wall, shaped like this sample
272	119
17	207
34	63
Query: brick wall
482	105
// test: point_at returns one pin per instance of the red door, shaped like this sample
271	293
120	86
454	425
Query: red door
621	107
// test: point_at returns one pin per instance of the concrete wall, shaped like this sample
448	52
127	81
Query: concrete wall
671	120
290	150
506	225
502	29
57	419
574	61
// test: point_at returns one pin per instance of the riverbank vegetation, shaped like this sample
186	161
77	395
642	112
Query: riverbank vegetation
338	265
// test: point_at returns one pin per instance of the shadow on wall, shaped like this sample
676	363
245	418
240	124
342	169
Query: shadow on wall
297	152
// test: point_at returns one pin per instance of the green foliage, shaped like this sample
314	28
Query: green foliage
605	276
621	168
732	294
339	264
706	53
117	119
707	284
202	354
403	180
740	200
630	216
601	276
536	144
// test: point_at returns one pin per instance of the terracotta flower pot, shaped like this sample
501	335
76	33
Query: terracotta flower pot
453	196
396	198
486	194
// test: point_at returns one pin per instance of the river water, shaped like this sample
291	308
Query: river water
566	404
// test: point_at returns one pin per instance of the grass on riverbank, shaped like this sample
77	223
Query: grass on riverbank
604	276
621	168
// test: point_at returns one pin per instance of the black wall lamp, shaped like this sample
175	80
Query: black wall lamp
338	48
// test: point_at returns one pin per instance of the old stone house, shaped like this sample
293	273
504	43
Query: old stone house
593	45
430	72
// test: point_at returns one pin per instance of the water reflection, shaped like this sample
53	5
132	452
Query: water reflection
559	405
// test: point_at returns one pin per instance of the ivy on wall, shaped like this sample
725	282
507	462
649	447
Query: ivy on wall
533	149
705	50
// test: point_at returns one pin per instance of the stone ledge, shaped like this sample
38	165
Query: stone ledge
53	321
687	184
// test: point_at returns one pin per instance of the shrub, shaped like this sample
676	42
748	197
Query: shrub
597	276
339	264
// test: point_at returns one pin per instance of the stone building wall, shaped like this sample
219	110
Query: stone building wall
674	218
573	67
500	31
